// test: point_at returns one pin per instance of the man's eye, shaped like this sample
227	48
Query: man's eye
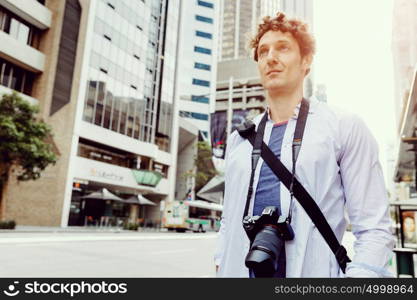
262	52
283	48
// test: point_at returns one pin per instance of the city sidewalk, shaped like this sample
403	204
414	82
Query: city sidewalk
77	229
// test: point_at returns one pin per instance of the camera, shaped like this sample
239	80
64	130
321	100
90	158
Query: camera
267	234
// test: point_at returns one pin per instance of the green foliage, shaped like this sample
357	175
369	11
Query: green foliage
7	224
131	226
23	140
204	163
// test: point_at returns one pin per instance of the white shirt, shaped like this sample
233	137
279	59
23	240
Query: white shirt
338	165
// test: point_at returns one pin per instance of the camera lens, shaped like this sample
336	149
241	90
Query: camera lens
264	253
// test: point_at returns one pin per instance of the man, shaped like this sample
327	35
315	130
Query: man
337	165
409	227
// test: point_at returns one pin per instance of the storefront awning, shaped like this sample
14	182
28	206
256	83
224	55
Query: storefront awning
139	199
213	190
204	204
103	194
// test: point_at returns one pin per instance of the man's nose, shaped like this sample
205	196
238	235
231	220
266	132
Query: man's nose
272	57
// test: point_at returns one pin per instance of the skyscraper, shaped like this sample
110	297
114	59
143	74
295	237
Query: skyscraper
198	62
299	8
238	20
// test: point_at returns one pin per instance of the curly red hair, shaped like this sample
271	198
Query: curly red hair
297	28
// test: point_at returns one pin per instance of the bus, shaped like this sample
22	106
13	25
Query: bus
196	215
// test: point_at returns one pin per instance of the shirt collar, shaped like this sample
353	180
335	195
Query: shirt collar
296	110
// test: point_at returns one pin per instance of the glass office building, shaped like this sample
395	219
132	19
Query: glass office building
127	121
131	70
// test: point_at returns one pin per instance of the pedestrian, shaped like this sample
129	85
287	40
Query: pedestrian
337	164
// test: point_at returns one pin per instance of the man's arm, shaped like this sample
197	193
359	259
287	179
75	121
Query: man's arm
227	194
366	201
220	243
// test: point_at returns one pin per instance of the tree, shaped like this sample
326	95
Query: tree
24	150
205	166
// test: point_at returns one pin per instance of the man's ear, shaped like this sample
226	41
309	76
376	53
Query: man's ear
307	61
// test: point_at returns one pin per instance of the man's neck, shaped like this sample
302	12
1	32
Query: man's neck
281	106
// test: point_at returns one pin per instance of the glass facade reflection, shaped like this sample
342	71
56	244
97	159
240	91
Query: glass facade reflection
169	42
131	70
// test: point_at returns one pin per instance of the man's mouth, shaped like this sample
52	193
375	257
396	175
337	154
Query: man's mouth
272	72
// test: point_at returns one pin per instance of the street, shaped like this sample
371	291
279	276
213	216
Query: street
112	254
107	254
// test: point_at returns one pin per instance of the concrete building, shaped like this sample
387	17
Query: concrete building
104	75
34	38
240	96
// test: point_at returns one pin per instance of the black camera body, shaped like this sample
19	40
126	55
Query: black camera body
267	234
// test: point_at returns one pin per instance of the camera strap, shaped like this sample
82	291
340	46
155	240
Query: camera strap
257	145
288	178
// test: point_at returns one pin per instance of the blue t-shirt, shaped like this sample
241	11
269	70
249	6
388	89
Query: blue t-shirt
268	188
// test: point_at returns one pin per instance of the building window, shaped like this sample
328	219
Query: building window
204	134
194	115
18	28
185	114
205	4
199	116
204	34
201	82
202	66
107	154
201	99
161	169
16	78
204	19
202	50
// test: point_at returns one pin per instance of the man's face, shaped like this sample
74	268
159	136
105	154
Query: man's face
409	224
280	64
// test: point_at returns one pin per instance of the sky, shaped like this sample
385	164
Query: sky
354	61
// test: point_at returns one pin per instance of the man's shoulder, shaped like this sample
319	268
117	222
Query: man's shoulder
346	125
335	114
256	120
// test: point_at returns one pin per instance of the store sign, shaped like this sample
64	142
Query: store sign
89	170
150	178
105	174
92	170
